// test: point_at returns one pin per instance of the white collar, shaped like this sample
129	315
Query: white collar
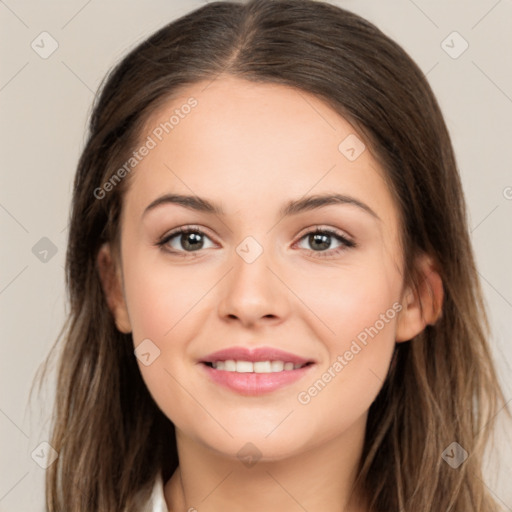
157	500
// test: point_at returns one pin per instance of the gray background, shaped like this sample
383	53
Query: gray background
44	106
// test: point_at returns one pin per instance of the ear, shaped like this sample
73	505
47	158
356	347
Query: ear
422	305
111	281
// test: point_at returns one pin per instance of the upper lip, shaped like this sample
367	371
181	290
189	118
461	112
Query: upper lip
255	354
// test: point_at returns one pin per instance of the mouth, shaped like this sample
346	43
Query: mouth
255	372
230	365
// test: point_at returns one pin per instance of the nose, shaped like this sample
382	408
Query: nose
253	293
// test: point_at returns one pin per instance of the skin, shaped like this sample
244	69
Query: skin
251	148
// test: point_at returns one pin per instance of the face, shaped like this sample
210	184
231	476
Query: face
296	260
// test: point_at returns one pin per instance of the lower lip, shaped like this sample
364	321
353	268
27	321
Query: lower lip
254	384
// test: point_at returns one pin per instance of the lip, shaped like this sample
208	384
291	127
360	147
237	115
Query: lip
255	354
255	384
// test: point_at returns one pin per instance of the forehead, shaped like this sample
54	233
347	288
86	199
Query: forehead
232	115
240	142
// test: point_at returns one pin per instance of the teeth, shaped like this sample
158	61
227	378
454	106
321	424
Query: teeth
230	366
244	367
262	367
277	366
256	367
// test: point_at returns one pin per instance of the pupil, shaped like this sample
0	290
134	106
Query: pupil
193	241
322	239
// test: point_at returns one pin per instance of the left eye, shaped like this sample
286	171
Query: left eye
321	240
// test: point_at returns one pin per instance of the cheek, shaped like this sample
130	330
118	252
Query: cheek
358	311
159	298
346	301
164	304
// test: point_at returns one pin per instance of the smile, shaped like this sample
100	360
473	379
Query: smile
255	371
255	367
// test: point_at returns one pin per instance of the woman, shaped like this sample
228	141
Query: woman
274	301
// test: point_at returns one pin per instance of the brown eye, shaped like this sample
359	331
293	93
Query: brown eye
185	240
322	241
191	241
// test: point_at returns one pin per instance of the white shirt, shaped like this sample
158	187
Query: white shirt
157	500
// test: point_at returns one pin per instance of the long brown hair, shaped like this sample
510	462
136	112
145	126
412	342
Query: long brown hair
111	437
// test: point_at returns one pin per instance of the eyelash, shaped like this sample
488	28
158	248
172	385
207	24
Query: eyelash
346	243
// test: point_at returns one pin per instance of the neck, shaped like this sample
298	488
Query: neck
319	479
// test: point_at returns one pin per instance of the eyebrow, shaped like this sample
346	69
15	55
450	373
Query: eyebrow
293	207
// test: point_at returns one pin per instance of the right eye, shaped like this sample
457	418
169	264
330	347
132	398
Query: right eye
183	240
